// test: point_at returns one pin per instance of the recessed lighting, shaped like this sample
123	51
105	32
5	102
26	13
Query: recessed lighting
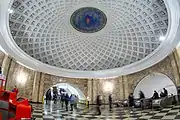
162	38
108	87
10	11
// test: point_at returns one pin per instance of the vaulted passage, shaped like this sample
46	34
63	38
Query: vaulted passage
155	82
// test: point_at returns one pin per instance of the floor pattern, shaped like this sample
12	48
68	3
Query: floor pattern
55	112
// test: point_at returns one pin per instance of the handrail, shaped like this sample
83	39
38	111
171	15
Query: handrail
162	102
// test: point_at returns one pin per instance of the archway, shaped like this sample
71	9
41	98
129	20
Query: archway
67	88
155	81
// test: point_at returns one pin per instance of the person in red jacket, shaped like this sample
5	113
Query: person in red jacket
15	90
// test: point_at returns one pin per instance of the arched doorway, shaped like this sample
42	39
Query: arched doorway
67	88
155	81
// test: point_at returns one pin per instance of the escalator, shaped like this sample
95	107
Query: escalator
163	102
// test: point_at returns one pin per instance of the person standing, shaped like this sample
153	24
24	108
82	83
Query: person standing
76	101
131	102
155	95
161	94
110	102
165	92
66	101
98	102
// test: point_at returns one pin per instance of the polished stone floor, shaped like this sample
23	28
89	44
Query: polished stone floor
55	112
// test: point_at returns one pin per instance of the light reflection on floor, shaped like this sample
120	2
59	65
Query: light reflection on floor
55	112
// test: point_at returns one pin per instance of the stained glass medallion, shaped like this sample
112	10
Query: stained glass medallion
88	20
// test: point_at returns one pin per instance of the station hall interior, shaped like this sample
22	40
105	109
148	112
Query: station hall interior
89	59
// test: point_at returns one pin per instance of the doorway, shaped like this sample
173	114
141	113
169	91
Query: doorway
66	88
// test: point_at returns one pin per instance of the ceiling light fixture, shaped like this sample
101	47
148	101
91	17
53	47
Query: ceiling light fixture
162	38
10	11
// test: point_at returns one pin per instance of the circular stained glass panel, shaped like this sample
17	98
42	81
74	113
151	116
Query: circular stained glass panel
88	20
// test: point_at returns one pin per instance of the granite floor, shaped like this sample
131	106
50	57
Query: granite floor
55	112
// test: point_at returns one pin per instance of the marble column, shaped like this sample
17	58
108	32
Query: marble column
2	56
6	65
121	92
35	92
10	71
90	90
126	87
95	89
41	88
175	62
175	68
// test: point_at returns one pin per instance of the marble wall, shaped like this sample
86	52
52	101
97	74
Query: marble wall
105	87
165	67
22	77
34	84
126	84
2	55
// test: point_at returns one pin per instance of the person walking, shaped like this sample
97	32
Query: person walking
110	102
55	97
98	102
141	97
48	96
72	101
62	99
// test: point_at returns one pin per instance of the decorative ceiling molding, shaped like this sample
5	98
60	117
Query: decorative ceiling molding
39	29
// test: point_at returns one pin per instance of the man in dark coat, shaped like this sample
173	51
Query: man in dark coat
131	102
155	95
62	99
98	102
48	96
110	102
66	101
165	92
141	97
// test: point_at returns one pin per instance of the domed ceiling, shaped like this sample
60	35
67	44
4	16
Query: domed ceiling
89	38
88	35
